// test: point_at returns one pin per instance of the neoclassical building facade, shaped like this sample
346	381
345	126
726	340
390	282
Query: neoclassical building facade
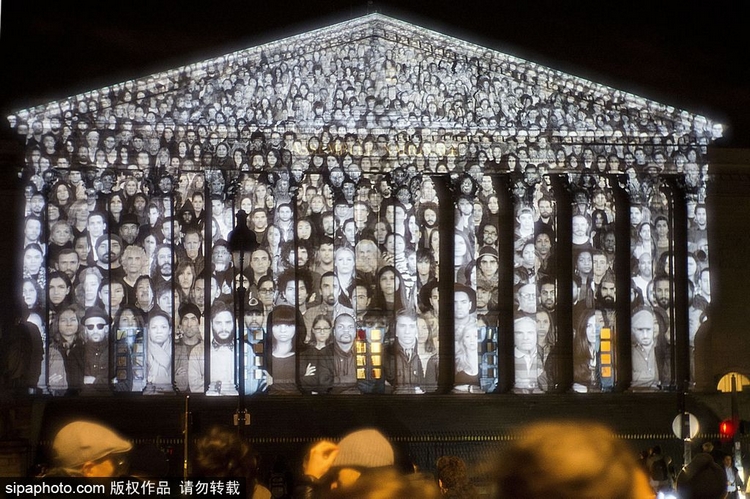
429	216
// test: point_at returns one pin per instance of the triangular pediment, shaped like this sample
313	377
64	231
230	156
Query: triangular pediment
470	88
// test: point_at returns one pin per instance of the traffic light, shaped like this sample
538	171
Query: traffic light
727	429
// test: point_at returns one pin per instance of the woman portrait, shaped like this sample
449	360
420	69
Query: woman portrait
159	354
282	323
62	195
427	349
467	360
32	296
87	291
390	292
462	255
246	204
644	242
343	262
426	267
260	193
584	270
33	260
185	274
67	343
111	295
129	187
316	360
116	208
586	376
543	246
138	205
493	205
129	349
601	224
546	334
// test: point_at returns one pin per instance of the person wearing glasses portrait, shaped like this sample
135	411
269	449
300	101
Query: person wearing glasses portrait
96	351
316	360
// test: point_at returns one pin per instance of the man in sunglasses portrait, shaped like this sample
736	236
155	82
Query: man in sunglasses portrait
96	350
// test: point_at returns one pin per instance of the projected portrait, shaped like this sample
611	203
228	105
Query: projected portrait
188	337
466	340
130	350
529	362
586	359
344	355
159	353
317	357
96	325
221	380
283	329
66	365
403	364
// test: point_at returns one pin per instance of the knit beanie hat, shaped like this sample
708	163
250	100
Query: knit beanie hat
97	312
366	448
189	308
82	441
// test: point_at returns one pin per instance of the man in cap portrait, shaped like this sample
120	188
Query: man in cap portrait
86	449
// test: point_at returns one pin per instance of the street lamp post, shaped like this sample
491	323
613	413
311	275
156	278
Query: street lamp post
241	240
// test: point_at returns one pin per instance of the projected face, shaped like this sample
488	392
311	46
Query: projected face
143	292
109	251
592	331
527	299
344	261
96	329
32	229
29	294
462	306
584	264
68	324
543	245
95	226
469	340
580	227
525	335
159	330
344	332
406	331
164	262
186	277
642	329
58	290
322	331
32	260
283	333
192	243
222	325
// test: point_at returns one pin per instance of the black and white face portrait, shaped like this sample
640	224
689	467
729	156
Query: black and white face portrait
580	228
97	329
222	326
406	331
344	332
164	262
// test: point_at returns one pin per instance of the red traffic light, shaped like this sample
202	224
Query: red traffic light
727	429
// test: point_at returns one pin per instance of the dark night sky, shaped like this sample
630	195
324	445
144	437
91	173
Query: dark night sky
689	54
